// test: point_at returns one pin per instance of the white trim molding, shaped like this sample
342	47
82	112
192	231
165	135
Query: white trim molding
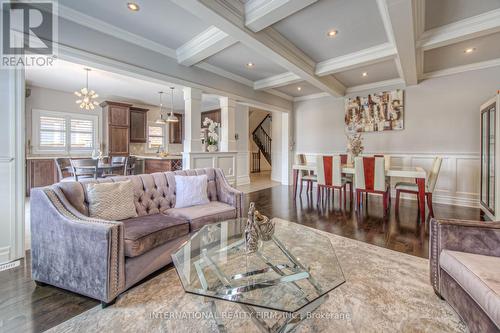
461	69
472	27
204	45
364	57
277	81
458	181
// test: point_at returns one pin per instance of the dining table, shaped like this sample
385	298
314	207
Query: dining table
104	167
417	173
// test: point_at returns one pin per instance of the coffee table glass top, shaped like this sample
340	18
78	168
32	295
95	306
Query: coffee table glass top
288	272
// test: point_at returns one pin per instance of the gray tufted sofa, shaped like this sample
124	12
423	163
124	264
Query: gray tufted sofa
102	259
465	270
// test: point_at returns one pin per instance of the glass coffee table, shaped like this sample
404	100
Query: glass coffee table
292	273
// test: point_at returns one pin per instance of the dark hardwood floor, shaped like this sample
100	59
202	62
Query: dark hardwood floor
25	307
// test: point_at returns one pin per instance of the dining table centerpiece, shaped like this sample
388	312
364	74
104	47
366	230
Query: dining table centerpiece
355	144
212	136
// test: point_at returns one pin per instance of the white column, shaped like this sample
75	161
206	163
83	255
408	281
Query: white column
192	124
243	156
227	130
12	164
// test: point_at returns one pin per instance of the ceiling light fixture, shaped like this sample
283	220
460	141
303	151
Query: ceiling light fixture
332	33
299	88
470	50
171	117
365	74
250	64
161	120
133	6
86	97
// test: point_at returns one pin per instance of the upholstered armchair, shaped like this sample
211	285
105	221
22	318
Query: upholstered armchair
465	270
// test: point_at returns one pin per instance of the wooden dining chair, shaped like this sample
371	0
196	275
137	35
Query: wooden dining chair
131	165
63	165
329	172
116	161
412	188
84	168
305	175
370	178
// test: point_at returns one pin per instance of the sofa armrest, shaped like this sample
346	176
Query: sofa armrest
460	235
75	252
228	194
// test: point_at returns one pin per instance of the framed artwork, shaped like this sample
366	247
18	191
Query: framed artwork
375	112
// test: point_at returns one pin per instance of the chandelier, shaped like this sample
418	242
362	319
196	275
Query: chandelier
87	97
171	117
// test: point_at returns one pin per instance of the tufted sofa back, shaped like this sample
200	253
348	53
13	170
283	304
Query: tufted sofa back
153	193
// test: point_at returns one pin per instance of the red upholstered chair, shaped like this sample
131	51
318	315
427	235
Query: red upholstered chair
370	178
330	176
305	176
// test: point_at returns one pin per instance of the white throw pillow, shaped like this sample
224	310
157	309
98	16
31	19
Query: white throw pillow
191	191
111	201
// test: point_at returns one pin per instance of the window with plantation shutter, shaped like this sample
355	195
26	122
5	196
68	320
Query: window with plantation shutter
63	132
156	136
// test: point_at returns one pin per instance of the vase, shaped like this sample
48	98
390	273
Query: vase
212	148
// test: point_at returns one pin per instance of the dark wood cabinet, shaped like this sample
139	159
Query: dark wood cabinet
156	165
138	125
40	173
116	126
176	130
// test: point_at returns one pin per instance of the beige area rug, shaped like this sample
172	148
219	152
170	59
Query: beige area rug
385	291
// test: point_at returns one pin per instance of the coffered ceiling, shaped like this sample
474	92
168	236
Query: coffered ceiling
321	46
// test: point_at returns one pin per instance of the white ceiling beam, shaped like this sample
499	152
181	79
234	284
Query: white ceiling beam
398	18
260	14
364	57
472	27
277	81
204	45
227	15
461	69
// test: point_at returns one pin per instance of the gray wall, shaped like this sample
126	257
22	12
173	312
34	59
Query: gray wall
441	116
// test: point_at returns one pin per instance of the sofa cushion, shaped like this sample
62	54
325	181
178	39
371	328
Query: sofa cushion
191	191
111	201
200	215
143	233
479	276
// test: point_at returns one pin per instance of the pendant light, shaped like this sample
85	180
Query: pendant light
161	120
87	97
171	117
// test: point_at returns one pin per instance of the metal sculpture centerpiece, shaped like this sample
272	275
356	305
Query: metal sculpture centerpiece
258	227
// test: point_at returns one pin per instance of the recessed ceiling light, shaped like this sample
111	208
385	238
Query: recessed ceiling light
299	88
470	50
250	64
133	6
365	74
332	33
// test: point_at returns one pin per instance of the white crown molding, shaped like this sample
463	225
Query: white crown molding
461	69
375	85
260	14
277	81
364	57
104	27
472	27
269	43
209	42
312	96
280	94
219	71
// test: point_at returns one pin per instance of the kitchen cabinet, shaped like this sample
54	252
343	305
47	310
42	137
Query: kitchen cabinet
39	173
138	125
162	165
176	130
116	128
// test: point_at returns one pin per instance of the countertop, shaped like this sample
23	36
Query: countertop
155	157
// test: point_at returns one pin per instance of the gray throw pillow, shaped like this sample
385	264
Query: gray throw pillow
111	201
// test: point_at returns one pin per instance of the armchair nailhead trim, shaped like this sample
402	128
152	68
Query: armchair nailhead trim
117	282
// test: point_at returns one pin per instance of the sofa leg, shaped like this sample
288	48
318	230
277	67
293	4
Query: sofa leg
40	283
105	305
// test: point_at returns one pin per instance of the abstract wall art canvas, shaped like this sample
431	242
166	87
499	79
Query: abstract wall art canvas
375	112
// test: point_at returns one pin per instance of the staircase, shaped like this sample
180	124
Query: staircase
262	138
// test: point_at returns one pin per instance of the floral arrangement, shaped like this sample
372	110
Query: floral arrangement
355	144
213	137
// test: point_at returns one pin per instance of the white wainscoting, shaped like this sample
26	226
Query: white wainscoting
458	182
243	166
224	160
